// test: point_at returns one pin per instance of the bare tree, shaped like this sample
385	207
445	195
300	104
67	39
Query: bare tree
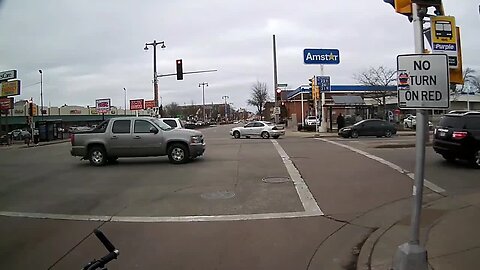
378	76
259	96
471	84
172	109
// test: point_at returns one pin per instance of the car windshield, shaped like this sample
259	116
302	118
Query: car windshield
162	125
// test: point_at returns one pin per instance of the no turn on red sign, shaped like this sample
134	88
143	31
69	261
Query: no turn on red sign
423	81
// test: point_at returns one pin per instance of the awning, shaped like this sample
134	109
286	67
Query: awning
348	100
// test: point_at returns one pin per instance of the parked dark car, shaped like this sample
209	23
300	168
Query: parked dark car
370	127
458	136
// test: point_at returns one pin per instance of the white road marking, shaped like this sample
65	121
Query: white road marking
308	201
411	175
160	219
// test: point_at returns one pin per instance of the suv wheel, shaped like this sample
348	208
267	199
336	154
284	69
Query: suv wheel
178	153
476	159
388	133
97	156
265	135
354	134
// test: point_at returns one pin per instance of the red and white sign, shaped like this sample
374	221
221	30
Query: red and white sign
102	105
149	104
137	104
6	103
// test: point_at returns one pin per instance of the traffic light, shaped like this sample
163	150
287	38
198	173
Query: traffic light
278	94
30	107
179	69
401	6
405	6
315	91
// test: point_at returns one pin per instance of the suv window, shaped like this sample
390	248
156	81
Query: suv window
472	122
452	122
171	122
121	126
258	124
142	126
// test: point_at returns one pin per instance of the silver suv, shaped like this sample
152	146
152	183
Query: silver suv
136	137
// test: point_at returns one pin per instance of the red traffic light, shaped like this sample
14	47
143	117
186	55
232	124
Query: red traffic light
179	69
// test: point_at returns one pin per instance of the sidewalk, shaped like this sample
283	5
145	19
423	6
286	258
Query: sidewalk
18	145
449	231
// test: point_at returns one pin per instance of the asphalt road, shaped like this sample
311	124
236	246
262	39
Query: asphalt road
455	177
50	202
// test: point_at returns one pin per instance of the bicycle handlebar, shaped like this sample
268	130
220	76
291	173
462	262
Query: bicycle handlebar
113	253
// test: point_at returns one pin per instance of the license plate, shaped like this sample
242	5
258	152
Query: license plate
442	134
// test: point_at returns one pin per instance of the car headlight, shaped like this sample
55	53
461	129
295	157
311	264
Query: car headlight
196	139
346	129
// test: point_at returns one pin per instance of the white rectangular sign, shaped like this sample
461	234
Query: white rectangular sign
276	110
423	81
8	75
102	105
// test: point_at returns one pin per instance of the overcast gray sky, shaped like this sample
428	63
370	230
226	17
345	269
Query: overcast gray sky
93	49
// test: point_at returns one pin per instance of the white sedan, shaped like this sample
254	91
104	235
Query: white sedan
258	128
411	122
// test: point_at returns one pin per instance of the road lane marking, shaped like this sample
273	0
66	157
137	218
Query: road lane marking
146	219
308	201
411	175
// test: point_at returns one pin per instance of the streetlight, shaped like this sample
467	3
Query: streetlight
203	97
225	98
41	91
125	111
155	79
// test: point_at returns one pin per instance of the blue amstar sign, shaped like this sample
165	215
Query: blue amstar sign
321	56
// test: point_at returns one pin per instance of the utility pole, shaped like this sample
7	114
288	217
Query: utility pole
125	110
275	79
155	79
203	98
225	98
41	92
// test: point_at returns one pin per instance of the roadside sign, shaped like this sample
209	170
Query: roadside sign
444	38
276	110
423	81
321	56
323	83
102	105
11	88
8	75
282	85
137	104
149	104
6	104
456	74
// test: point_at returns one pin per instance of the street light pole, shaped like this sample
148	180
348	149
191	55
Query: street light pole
41	91
155	78
225	98
203	97
125	110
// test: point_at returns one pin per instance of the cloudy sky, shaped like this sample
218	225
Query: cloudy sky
93	49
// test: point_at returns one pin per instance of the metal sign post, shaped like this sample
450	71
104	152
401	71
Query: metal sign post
422	83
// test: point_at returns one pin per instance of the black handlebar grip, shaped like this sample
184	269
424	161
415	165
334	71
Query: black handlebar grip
108	245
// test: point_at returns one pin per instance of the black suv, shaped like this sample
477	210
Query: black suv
458	136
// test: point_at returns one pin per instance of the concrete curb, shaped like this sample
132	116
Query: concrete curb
398	145
364	258
45	143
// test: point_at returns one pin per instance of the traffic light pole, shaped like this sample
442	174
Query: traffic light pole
411	255
275	78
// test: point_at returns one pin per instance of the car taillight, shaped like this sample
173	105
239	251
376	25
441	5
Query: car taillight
72	138
458	135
